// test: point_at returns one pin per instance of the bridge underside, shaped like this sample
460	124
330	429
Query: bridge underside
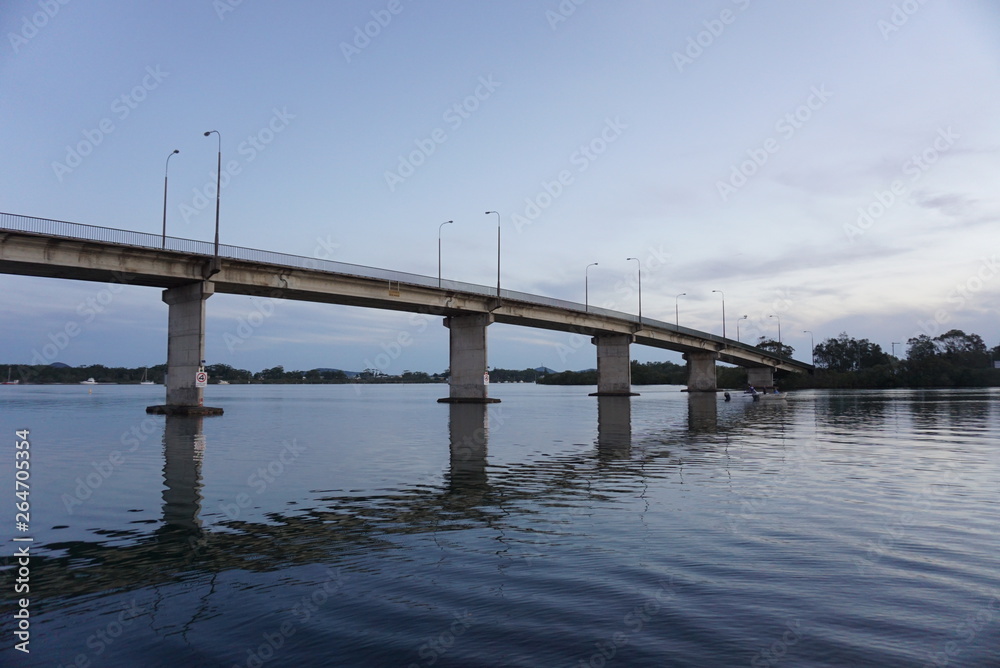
467	313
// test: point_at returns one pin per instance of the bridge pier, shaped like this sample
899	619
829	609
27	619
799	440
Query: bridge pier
762	377
614	367
701	371
467	359
185	349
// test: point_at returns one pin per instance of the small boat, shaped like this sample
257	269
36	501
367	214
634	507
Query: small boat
9	381
752	393
89	381
223	382
144	381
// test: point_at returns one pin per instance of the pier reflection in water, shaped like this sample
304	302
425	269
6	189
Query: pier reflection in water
703	411
614	427
183	451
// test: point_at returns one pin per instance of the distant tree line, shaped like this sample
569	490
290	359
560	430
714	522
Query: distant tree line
953	359
643	373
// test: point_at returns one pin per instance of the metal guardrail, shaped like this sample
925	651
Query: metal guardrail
80	231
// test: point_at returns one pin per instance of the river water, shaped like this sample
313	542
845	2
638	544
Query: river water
371	526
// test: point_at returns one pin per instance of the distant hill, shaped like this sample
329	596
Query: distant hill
59	365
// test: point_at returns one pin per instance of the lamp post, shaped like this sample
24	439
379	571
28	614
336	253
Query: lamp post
447	222
218	191
639	265
738	327
586	286
812	347
723	311
498	250
778	318
894	344
677	313
165	196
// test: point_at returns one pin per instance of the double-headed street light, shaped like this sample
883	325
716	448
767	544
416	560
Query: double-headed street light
172	153
447	222
812	347
723	311
738	327
586	286
639	265
677	313
218	191
498	250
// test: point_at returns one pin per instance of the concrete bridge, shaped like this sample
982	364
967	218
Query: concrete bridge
190	272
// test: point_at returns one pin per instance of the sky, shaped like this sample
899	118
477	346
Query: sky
822	166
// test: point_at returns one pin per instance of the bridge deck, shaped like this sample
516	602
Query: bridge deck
58	249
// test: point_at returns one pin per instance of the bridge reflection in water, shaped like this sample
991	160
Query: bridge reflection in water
469	494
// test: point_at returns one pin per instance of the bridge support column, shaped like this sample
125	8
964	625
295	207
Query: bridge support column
614	367
701	371
468	363
185	349
760	377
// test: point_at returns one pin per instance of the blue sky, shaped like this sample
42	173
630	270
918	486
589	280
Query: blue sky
831	164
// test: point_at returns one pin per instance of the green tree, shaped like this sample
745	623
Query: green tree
772	346
845	353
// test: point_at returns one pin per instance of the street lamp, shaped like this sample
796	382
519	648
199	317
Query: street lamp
738	327
778	318
498	250
639	264
723	311
677	315
218	191
812	347
447	222
165	195
894	344
586	286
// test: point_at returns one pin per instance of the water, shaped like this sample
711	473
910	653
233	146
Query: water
371	526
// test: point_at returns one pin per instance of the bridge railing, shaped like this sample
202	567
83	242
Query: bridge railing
78	231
